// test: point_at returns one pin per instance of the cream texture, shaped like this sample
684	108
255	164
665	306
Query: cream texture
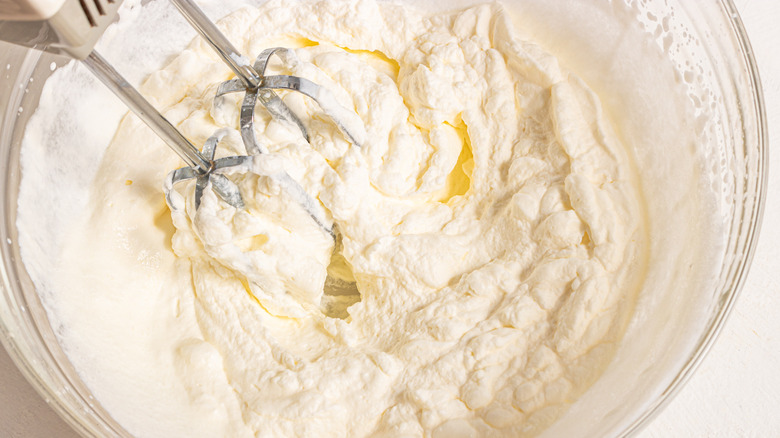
489	218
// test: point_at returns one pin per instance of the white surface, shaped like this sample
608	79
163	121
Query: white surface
736	390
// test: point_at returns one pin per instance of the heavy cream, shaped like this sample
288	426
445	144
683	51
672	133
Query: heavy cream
490	219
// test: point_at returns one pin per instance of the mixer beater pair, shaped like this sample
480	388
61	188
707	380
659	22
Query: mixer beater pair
74	28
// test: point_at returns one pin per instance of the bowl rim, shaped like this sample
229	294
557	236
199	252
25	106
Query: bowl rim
684	373
54	362
755	218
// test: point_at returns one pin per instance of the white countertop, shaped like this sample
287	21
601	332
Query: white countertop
736	390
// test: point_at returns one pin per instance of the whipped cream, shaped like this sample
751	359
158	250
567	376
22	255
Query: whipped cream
489	216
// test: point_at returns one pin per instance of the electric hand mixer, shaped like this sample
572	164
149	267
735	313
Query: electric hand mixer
72	28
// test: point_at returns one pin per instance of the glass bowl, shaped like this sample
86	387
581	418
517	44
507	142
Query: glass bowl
678	314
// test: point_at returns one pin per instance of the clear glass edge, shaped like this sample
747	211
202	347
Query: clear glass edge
7	339
754	220
27	366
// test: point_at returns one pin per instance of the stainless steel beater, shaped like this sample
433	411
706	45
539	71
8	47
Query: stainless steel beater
252	80
72	28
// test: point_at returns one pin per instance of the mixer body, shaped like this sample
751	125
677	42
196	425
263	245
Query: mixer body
70	27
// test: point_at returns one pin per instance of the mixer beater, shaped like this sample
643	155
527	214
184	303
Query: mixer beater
72	28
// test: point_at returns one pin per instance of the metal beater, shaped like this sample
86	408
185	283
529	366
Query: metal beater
72	28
